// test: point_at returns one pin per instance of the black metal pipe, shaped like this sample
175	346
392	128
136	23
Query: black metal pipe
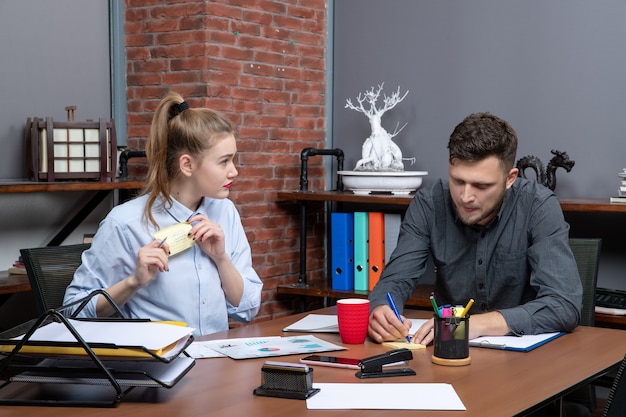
304	186
304	158
124	157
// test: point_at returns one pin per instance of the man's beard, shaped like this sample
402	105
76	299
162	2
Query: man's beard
486	215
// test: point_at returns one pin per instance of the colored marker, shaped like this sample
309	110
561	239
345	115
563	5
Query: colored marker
434	303
395	311
467	307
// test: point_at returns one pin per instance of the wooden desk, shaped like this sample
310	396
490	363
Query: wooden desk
12	283
496	383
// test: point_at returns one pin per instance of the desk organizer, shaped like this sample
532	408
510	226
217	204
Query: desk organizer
70	150
286	380
451	344
82	373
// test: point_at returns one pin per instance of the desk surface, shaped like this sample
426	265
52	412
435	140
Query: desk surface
496	383
12	283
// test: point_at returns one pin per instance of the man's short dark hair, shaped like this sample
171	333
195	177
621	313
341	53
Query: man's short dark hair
481	135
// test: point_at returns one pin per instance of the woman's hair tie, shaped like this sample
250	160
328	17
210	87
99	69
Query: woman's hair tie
182	107
177	109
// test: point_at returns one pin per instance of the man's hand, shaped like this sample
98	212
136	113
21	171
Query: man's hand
384	326
425	334
487	324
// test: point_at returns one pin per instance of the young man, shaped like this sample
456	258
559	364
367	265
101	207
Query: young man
494	237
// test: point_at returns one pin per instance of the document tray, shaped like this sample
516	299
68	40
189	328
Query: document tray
83	366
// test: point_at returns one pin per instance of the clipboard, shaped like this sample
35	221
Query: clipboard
524	343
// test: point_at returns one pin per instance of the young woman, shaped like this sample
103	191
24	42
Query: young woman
191	169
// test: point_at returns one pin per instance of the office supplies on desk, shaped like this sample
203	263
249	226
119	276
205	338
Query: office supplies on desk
404	345
372	367
353	318
110	338
127	373
451	342
467	307
75	353
524	343
200	350
323	323
434	303
385	396
286	380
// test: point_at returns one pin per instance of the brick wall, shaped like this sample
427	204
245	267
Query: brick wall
261	63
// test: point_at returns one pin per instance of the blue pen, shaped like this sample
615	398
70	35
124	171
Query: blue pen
395	310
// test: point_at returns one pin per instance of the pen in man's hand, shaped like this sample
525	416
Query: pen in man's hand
395	311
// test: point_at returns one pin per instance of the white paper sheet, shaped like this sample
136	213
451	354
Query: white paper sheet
327	323
201	350
151	335
385	397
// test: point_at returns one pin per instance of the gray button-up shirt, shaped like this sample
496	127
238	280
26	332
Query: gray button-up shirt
520	265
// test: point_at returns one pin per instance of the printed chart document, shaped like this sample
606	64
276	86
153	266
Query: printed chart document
524	343
260	347
405	396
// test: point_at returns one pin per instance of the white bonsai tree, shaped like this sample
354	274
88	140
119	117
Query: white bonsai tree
379	152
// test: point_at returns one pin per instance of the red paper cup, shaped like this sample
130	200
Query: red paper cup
353	318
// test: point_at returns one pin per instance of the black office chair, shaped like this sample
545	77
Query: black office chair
50	270
587	254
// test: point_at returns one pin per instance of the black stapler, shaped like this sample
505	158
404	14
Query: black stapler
372	367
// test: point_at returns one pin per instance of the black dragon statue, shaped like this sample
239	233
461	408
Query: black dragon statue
547	177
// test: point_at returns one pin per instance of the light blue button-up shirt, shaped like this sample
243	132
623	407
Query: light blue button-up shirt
191	290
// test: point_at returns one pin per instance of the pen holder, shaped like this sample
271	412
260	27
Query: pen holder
451	341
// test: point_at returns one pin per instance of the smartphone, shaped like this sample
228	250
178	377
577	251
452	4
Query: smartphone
333	361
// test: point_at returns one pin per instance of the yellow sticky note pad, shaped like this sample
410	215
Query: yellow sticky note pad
178	238
405	345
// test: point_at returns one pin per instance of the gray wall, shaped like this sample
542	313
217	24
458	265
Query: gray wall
53	54
555	69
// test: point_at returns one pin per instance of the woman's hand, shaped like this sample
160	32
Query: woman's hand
208	235
151	259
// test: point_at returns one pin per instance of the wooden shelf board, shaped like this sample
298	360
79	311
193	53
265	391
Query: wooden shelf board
419	298
345	197
596	205
20	186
